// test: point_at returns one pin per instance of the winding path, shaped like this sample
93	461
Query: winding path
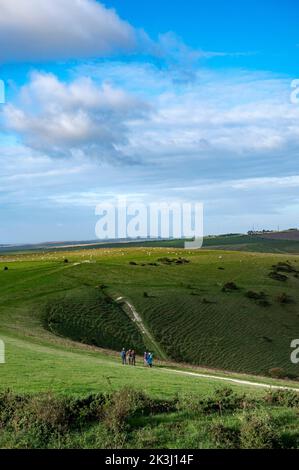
136	318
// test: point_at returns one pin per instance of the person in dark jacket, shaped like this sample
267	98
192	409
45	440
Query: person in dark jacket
133	355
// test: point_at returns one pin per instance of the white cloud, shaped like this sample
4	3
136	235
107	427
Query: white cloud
217	117
60	29
227	118
73	118
228	139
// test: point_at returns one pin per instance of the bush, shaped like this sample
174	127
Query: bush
278	277
284	267
43	417
224	437
9	405
169	261
277	373
127	403
255	295
287	398
120	406
259	431
227	400
224	400
229	287
85	410
284	299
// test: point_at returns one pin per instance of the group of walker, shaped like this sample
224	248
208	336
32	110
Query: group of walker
129	357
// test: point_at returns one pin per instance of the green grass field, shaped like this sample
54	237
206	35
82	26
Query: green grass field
182	305
50	309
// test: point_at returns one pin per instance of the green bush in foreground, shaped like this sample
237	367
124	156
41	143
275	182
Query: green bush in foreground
259	431
129	418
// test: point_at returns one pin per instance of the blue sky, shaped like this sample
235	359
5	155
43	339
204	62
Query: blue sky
156	101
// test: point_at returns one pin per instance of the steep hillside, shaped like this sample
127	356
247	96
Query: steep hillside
217	309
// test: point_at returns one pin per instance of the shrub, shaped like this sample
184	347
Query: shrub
43	418
259	431
169	261
182	261
229	287
259	297
120	406
255	295
278	277
224	437
285	267
223	400
227	400
284	299
85	410
286	398
40	419
9	405
277	373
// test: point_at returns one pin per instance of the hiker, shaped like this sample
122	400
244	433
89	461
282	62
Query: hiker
129	354
150	359
145	358
123	356
133	356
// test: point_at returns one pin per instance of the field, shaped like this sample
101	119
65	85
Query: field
61	321
254	243
275	242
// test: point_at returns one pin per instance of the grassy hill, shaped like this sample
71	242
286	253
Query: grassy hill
60	321
184	305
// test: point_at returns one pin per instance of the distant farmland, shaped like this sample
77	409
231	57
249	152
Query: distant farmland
286	235
274	242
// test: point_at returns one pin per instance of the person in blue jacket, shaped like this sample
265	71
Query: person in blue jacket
150	359
123	356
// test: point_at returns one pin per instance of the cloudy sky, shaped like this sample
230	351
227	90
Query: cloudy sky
173	100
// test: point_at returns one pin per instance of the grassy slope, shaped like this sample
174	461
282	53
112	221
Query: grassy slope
195	322
35	366
37	360
87	315
250	243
